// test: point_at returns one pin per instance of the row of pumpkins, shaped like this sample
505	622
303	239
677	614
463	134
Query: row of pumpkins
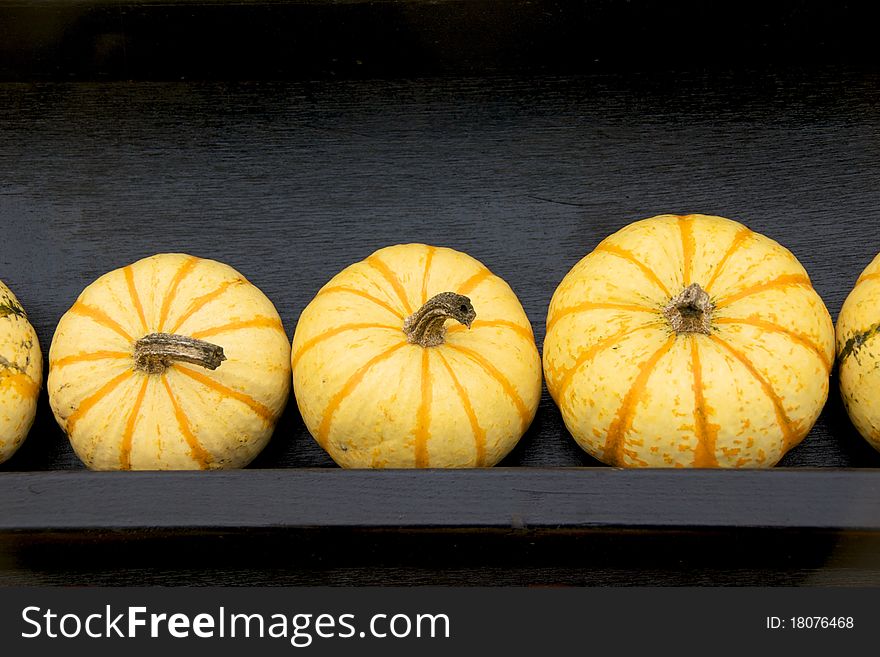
680	341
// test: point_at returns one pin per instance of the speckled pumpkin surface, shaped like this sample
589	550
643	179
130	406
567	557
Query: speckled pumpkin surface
688	341
21	373
858	353
417	356
173	362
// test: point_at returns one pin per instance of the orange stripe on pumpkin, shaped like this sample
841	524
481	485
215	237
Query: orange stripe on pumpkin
87	404
95	355
615	439
135	298
478	431
308	344
628	256
785	280
495	373
196	451
100	317
170	295
256	322
260	409
429	257
360	293
593	305
392	279
800	338
494	323
125	448
738	240
789	430
422	431
468	286
23	384
590	353
347	388
707	433
688	246
201	302
868	277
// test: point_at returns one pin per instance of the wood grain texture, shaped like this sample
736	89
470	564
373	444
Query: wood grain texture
503	498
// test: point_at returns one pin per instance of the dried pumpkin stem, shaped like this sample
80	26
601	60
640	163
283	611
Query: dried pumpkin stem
690	311
156	352
425	326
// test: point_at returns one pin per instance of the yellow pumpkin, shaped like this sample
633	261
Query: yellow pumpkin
688	341
173	362
858	353
417	356
21	373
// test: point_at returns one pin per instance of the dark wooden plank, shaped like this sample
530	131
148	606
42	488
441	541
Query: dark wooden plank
510	498
291	182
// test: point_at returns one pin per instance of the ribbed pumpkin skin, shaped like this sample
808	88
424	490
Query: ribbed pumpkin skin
633	392
372	399
858	350
21	373
189	417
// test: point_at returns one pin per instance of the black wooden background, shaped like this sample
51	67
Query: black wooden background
292	139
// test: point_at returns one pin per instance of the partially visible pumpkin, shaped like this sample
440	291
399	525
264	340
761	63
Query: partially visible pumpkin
21	373
417	356
688	341
858	353
173	362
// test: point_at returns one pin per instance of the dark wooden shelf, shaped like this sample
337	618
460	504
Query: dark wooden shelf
499	498
505	526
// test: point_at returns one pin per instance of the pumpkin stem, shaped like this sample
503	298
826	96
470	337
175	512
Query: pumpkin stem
690	311
425	326
156	352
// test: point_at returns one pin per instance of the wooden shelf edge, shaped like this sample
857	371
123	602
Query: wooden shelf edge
500	498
